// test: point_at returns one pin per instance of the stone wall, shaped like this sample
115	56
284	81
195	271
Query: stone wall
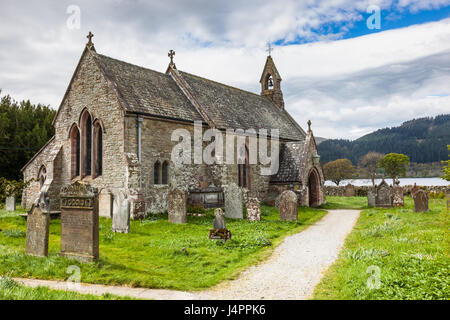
362	190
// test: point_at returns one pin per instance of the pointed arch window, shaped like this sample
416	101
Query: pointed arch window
75	152
86	144
157	173
98	149
42	176
165	172
269	84
243	168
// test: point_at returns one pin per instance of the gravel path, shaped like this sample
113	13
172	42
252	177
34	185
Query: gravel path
293	270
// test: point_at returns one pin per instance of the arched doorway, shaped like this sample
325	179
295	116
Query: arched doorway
314	188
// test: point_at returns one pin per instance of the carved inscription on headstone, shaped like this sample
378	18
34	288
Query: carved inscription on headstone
38	223
79	222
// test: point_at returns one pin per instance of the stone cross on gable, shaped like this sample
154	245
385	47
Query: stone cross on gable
309	125
90	36
171	54
269	48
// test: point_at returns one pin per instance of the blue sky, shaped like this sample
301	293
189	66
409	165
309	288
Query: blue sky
347	79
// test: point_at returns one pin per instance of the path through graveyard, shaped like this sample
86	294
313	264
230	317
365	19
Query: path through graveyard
291	272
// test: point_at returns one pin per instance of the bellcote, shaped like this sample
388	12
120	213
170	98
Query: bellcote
271	83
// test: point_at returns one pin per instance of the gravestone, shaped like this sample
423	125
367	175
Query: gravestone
79	222
121	216
371	194
10	203
398	198
288	206
253	209
350	190
138	207
38	224
233	201
414	189
176	202
383	197
219	231
105	204
420	201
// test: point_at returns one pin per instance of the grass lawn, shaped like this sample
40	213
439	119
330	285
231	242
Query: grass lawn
11	290
156	254
410	249
357	203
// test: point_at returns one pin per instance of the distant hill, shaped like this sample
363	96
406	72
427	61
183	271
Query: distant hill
424	140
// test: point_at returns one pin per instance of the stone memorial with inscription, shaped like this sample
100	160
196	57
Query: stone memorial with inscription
253	209
105	203
350	190
233	201
10	203
384	195
138	207
288	206
219	231
177	206
121	215
371	195
79	222
398	198
38	224
420	201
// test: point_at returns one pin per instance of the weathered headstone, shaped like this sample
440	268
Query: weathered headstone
10	203
371	195
79	222
350	190
177	202
219	231
121	216
105	204
288	206
38	224
138	208
233	201
383	197
414	189
253	209
420	201
398	199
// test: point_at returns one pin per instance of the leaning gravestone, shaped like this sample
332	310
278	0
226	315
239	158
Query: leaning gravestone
121	216
10	203
176	202
288	206
219	231
253	209
383	197
371	195
398	199
38	224
350	190
233	201
79	222
420	201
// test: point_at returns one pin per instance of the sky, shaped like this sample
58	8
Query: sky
341	69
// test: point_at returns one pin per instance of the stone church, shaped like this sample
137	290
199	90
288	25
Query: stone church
113	131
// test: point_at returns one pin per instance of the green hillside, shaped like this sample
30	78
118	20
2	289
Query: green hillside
424	140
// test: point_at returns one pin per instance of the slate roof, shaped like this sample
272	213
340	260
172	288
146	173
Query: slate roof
289	162
148	91
151	92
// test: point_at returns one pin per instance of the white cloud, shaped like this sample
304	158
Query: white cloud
346	87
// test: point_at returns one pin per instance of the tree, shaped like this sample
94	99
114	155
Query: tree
369	163
446	175
339	170
394	164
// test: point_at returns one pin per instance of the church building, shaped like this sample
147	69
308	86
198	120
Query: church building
114	126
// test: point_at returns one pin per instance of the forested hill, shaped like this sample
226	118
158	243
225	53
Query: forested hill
424	140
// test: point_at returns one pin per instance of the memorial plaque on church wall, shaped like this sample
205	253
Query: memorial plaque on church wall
38	223
79	222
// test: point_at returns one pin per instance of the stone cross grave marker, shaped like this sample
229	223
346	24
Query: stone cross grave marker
79	222
177	202
253	209
233	201
420	201
38	224
288	206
